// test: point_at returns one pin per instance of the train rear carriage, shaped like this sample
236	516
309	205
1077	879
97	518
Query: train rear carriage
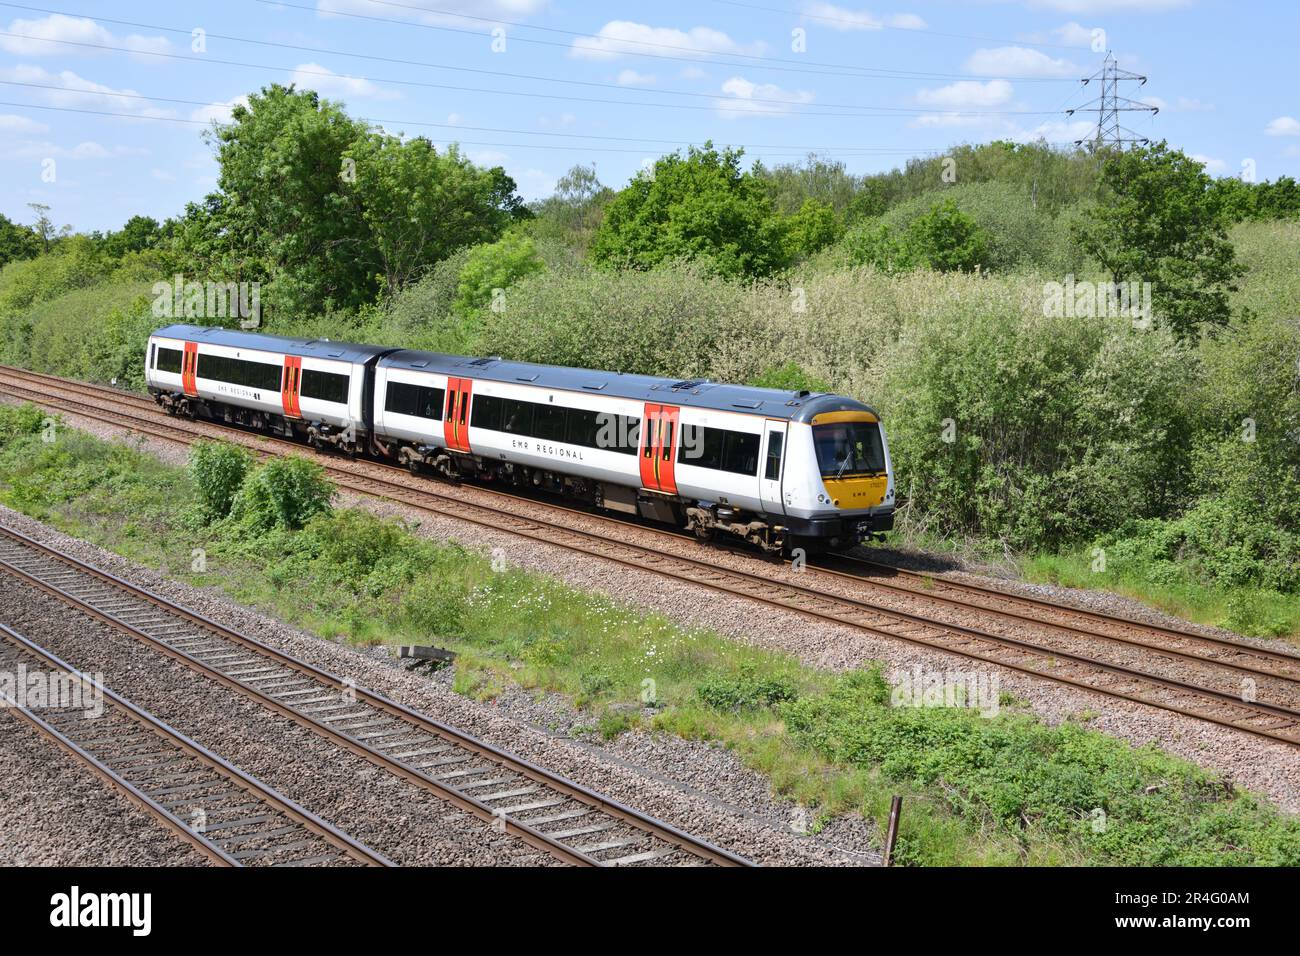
313	389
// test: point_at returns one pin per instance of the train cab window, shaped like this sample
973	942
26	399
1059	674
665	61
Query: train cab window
775	441
418	401
549	422
740	453
169	360
325	386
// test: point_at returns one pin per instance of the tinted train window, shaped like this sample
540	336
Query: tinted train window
419	401
517	417
486	412
719	449
548	422
775	440
169	360
740	454
542	420
325	386
257	375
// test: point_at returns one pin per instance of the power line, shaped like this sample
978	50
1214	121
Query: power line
387	122
720	102
771	151
762	62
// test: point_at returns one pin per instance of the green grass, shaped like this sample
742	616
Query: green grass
1177	590
1000	790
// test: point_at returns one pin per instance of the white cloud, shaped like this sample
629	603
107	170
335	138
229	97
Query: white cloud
1283	126
162	175
1214	167
622	37
68	90
462	12
73	30
89	149
845	20
9	123
1019	61
218	112
1075	34
742	98
325	81
693	73
1185	104
1057	131
454	119
633	78
967	94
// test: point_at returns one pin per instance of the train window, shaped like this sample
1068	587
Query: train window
668	440
775	440
701	447
169	360
549	422
620	433
418	401
325	386
258	375
582	427
516	417
486	413
740	453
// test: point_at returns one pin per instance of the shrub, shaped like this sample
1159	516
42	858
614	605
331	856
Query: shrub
437	605
283	493
218	469
493	266
746	690
17	421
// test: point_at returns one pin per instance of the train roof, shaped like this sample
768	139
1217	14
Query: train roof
691	393
314	348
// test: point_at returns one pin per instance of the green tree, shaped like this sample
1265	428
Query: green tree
813	227
1160	222
700	206
420	205
137	234
494	266
16	242
947	239
282	178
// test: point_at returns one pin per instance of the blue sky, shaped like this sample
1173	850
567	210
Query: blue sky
539	85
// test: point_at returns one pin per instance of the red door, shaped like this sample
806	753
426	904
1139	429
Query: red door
291	386
455	423
190	369
659	438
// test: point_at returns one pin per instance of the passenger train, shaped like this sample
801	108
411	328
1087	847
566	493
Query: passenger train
776	468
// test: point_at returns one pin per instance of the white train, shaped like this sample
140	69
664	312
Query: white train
779	469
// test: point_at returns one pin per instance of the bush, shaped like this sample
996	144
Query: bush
493	266
437	605
746	690
284	493
17	421
218	469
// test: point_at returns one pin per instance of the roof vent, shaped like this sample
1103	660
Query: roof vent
685	386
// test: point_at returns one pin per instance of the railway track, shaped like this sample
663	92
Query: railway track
1178	671
230	817
555	815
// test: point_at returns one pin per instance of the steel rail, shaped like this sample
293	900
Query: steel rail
234	778
541	840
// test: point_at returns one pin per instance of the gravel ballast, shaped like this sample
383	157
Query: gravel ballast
1268	768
